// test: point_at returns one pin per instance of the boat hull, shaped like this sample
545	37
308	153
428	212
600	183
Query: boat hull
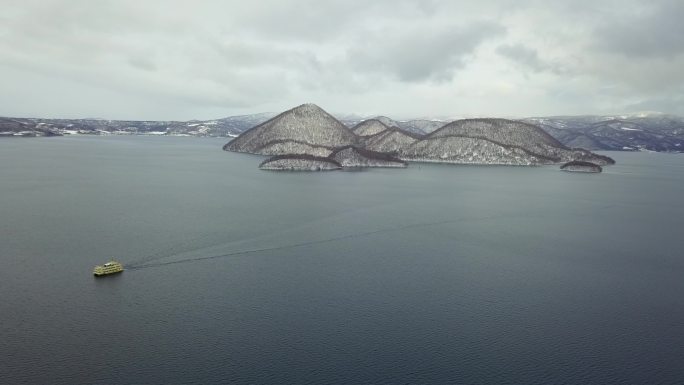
106	274
109	268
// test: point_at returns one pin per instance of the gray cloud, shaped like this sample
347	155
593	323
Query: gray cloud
421	54
525	56
179	59
672	104
654	29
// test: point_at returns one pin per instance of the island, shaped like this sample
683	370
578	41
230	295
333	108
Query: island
299	162
580	166
308	138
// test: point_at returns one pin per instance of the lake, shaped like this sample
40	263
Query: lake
431	274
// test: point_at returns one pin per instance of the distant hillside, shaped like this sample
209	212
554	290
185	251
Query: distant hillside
226	127
416	126
652	132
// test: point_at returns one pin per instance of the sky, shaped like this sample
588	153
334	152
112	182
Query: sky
182	60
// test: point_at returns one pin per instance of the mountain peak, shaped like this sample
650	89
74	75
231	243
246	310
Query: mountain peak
310	107
307	124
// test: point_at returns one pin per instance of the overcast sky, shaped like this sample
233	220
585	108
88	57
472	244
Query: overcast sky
163	60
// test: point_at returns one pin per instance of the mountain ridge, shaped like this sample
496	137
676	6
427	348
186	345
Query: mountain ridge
629	132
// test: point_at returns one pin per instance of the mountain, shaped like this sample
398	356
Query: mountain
303	127
480	141
651	132
516	143
508	132
464	150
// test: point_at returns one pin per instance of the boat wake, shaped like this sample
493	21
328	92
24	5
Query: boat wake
149	263
175	250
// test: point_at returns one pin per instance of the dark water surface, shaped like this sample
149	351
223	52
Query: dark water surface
433	274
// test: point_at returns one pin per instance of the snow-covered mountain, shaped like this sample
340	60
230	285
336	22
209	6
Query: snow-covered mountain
306	135
497	141
306	125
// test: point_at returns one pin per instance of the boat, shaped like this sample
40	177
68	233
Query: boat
111	267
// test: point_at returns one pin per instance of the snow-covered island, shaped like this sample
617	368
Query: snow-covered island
580	166
308	130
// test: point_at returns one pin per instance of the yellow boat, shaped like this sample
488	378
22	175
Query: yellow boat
111	267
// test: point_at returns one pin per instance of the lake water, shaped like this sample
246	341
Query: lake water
432	274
